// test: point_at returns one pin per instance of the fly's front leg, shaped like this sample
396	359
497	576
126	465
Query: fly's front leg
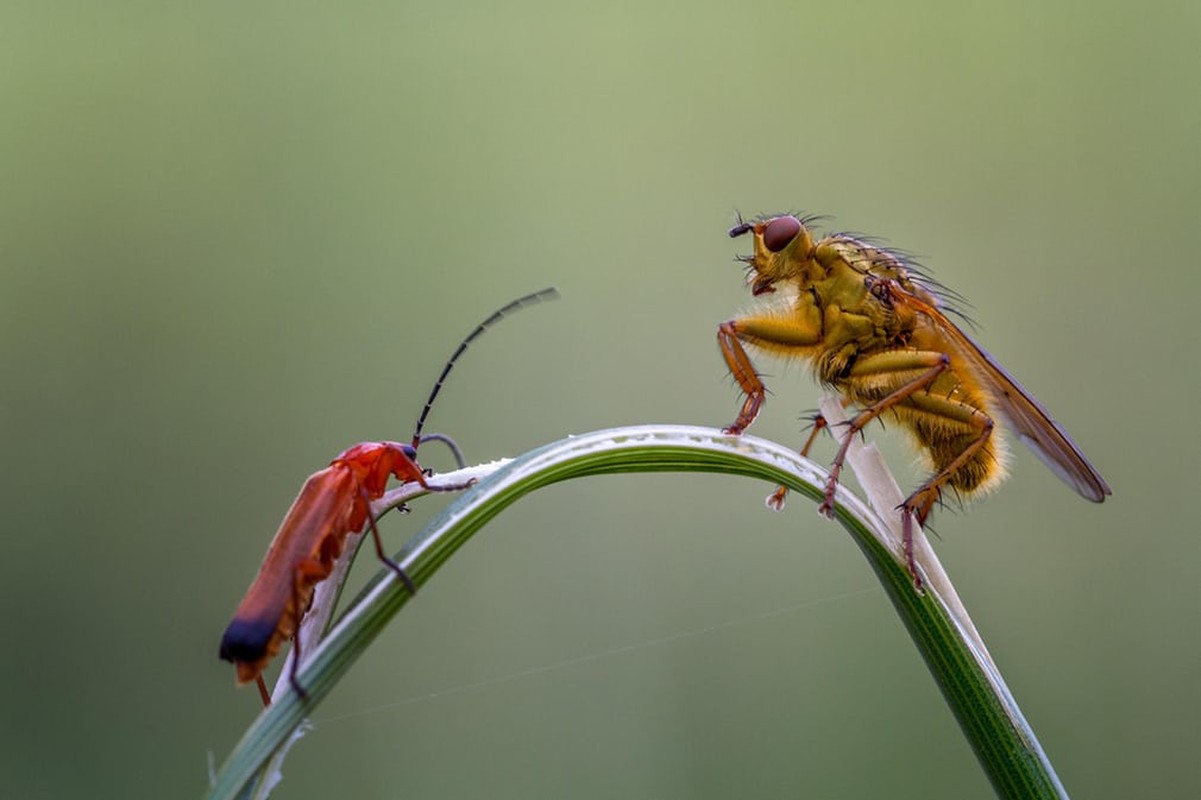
744	374
789	334
782	334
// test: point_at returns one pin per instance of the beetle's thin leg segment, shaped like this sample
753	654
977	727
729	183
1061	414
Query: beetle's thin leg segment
379	543
297	597
263	693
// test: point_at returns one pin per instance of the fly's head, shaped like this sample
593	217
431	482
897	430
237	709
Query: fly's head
783	252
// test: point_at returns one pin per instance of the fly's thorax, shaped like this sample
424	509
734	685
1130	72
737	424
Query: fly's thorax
849	283
864	257
858	319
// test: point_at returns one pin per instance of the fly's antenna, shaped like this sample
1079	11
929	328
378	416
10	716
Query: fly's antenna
543	296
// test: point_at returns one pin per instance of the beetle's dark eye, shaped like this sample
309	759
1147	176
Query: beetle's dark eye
780	232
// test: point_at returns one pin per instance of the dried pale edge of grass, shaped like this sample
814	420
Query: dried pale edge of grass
885	497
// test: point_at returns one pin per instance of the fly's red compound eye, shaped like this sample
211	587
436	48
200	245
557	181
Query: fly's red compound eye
780	232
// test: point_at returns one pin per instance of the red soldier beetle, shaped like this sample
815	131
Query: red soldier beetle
332	504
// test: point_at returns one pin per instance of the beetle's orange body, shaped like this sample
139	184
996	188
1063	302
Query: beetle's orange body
334	503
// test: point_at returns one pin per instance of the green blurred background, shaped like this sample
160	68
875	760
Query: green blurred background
235	240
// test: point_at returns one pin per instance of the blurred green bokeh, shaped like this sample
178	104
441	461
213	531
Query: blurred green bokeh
235	240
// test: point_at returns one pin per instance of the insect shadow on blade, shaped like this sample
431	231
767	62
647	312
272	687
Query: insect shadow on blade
333	503
875	330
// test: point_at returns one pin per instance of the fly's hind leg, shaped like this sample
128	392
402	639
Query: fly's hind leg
918	505
877	368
